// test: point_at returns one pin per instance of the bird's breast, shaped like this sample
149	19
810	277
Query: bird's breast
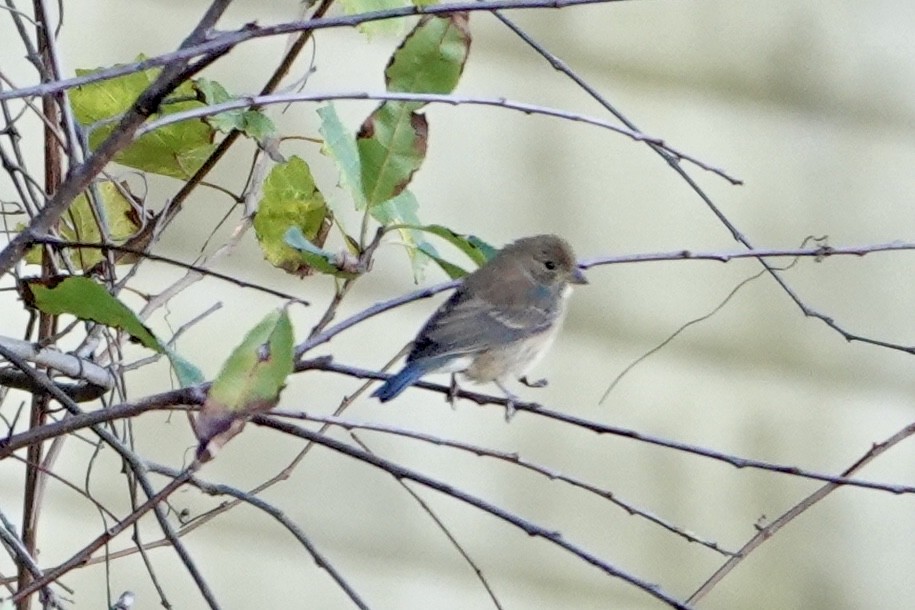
512	360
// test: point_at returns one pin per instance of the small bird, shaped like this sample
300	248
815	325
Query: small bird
500	320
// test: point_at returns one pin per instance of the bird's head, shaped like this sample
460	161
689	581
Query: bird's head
548	259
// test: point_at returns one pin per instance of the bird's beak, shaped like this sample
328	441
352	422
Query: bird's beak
578	277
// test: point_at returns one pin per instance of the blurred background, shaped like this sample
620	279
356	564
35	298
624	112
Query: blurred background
810	103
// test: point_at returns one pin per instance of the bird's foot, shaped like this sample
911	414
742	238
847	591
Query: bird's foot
540	383
509	410
453	390
510	401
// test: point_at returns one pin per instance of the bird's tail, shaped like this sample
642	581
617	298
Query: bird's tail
399	382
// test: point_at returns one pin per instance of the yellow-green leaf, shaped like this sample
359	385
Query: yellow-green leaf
382	26
79	223
176	150
290	199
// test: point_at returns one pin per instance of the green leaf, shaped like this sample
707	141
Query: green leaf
187	374
392	140
79	224
253	375
212	91
252	123
250	382
176	150
476	250
432	57
87	300
392	146
340	145
257	125
401	210
290	199
453	271
487	250
318	258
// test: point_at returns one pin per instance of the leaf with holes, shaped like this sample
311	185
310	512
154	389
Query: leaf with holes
392	146
250	382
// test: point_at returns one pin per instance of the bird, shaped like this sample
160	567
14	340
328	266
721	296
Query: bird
499	322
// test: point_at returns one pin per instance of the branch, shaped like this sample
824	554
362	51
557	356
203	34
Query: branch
529	527
78	421
511	458
137	468
63	243
538	410
80	557
227	490
82	175
221	43
21	555
426	98
819	252
674	163
767	532
98	379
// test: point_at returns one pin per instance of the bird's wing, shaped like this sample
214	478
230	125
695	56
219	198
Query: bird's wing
464	325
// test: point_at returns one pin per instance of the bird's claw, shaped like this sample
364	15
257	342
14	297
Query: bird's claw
453	389
509	410
540	383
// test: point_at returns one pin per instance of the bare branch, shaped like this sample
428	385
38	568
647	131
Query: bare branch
214	489
529	527
539	410
80	176
426	98
220	43
765	533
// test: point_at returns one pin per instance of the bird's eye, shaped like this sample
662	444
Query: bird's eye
550	265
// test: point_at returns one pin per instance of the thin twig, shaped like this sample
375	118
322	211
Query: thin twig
529	527
769	530
426	98
137	467
82	175
222	42
442	528
509	457
539	410
214	489
63	243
